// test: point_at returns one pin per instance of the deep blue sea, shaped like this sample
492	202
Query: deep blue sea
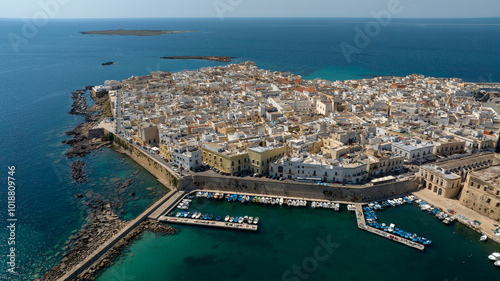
37	81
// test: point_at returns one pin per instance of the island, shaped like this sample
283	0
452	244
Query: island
212	58
135	32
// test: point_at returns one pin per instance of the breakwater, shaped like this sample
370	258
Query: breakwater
94	259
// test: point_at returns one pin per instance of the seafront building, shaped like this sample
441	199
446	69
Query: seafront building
238	119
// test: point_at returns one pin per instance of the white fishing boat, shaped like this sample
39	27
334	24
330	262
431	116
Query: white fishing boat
483	238
391	227
494	256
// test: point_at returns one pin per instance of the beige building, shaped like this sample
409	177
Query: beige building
448	147
380	163
445	178
260	157
481	192
440	181
149	134
217	156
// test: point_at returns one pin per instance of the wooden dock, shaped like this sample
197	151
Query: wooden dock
360	217
210	223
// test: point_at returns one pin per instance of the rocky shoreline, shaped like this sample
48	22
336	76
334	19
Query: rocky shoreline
212	58
101	225
80	142
78	171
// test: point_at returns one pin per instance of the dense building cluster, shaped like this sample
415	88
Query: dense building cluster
239	118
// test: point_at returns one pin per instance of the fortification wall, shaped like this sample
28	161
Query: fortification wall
304	190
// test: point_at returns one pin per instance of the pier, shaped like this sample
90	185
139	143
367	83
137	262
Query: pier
210	223
167	206
173	197
360	217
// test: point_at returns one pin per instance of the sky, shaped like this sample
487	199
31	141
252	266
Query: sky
248	8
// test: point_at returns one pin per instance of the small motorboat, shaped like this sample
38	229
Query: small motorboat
226	218
483	238
250	219
494	256
391	227
256	220
231	219
497	263
235	219
245	219
218	218
240	220
210	216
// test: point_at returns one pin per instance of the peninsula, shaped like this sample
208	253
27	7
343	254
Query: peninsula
135	32
212	58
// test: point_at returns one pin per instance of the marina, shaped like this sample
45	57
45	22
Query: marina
268	199
360	217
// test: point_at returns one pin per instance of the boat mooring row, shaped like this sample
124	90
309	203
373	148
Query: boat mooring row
360	217
201	222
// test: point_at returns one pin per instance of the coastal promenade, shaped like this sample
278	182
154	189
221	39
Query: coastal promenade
219	224
360	218
96	255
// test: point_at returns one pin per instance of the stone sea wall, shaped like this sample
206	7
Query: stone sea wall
150	164
304	190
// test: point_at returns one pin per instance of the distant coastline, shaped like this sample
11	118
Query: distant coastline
212	58
135	32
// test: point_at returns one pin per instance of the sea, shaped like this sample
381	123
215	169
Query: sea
41	66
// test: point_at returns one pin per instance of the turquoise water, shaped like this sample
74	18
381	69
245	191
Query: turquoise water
38	80
288	237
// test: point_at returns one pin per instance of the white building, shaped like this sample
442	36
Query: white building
186	158
413	150
306	169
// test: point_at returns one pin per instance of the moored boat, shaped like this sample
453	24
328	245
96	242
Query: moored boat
483	238
256	220
226	218
494	256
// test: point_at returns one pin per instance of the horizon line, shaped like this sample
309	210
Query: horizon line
257	17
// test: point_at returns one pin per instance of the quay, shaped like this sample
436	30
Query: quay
211	223
360	217
168	206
